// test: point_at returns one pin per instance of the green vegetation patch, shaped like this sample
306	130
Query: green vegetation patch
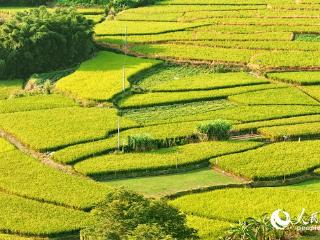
275	161
209	81
228	205
101	78
196	35
162	98
289	96
303	78
176	112
178	51
37	102
304	130
165	132
169	184
307	37
236	113
311	185
23	216
8	87
26	176
54	128
167	158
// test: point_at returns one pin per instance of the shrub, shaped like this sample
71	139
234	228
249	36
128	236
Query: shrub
127	215
41	41
83	2
120	5
141	143
218	129
117	5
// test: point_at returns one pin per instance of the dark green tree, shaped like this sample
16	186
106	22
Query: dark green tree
127	215
39	41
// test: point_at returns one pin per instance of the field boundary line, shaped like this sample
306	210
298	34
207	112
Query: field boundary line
252	184
41	157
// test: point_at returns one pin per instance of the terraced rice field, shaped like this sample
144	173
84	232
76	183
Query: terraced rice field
161	71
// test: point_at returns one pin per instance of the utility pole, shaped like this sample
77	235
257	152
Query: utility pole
118	133
124	59
123	78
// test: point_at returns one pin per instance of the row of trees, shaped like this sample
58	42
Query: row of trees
23	2
41	41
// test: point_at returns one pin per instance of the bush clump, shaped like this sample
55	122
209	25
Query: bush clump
125	215
141	143
41	41
115	5
216	130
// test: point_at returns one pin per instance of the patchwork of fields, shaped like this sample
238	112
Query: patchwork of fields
181	63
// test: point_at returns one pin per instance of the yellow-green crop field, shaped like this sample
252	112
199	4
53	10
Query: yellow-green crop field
160	72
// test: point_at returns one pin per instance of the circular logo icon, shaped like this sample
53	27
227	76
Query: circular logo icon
277	222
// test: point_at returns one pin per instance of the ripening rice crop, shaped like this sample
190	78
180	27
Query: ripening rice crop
163	98
313	91
303	78
282	59
209	81
90	149
237	204
195	35
166	158
274	161
178	51
208	229
258	44
5	146
231	112
277	122
25	176
159	17
37	102
29	217
8	87
101	78
289	96
142	27
54	128
192	8
304	130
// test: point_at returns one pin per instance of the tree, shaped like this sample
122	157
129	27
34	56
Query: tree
39	41
127	215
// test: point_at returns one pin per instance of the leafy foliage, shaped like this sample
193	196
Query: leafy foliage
127	215
141	143
40	41
218	129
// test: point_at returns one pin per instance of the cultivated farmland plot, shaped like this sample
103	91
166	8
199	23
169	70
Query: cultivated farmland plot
163	76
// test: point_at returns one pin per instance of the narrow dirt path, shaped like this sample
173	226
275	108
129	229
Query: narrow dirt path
42	157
